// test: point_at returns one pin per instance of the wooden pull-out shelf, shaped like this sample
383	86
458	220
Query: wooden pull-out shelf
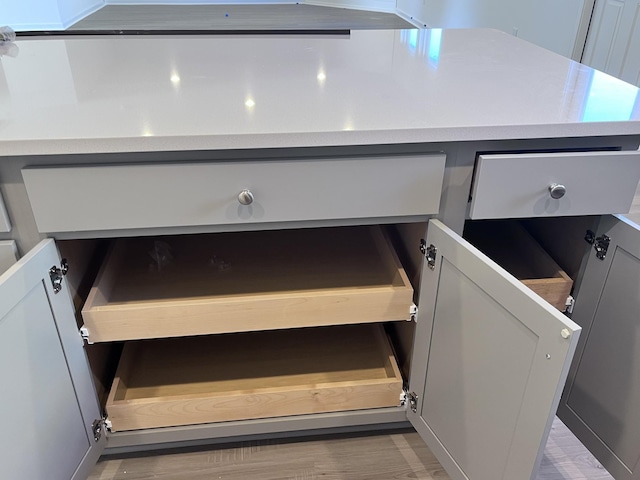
514	249
237	282
218	378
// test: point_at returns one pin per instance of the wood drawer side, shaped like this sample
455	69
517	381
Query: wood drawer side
248	281
195	380
510	245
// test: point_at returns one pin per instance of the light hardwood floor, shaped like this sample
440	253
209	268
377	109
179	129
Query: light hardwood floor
397	455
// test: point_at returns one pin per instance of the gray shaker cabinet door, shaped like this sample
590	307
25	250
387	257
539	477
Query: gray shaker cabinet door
601	403
48	399
490	360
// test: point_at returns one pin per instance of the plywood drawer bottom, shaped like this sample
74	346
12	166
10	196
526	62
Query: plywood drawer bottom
193	380
514	249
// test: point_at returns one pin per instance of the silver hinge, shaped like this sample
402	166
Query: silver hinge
429	252
413	312
413	402
84	333
56	274
410	398
600	244
99	426
569	304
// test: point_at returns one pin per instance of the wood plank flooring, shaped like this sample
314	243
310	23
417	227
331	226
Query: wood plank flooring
235	17
397	455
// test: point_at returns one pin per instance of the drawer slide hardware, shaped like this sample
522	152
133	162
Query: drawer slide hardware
569	304
429	252
413	312
84	333
56	274
600	244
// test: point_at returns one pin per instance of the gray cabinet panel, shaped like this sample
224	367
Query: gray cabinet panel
600	402
8	254
48	405
496	358
5	224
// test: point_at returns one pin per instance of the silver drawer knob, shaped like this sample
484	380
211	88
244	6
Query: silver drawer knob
245	197
557	190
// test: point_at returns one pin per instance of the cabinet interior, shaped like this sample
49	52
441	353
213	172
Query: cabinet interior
302	350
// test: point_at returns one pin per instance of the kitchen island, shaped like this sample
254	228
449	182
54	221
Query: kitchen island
347	140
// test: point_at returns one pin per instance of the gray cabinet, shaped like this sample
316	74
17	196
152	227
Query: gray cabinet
600	402
49	404
490	358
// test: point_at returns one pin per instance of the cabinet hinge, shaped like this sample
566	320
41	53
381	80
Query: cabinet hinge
56	274
99	426
84	333
600	244
413	402
429	252
409	398
413	312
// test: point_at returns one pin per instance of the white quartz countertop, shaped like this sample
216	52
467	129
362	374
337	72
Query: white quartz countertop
151	93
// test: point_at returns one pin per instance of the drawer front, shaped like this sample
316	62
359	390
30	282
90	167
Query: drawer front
113	197
519	185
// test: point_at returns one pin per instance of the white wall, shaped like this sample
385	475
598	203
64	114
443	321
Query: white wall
30	14
24	15
552	24
73	10
196	2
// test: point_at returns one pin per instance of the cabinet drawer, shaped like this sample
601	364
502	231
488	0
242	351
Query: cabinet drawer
509	245
235	282
253	375
114	197
519	185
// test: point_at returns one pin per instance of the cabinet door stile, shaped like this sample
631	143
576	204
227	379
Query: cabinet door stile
600	401
490	359
49	403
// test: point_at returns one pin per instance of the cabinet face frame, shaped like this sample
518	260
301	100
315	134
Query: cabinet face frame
24	284
489	361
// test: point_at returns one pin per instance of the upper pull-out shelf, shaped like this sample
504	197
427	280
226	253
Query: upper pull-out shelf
237	282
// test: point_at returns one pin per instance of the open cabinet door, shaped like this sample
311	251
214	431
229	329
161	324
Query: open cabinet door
600	403
48	399
489	363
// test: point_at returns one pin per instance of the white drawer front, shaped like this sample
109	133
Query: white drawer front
518	185
112	197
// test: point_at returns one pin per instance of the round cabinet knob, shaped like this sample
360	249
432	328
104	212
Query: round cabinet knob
245	197
557	190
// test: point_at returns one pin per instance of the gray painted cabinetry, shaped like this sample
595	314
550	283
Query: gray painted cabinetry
603	390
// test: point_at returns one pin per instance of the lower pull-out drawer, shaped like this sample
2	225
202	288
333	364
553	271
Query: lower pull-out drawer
510	245
238	282
194	380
